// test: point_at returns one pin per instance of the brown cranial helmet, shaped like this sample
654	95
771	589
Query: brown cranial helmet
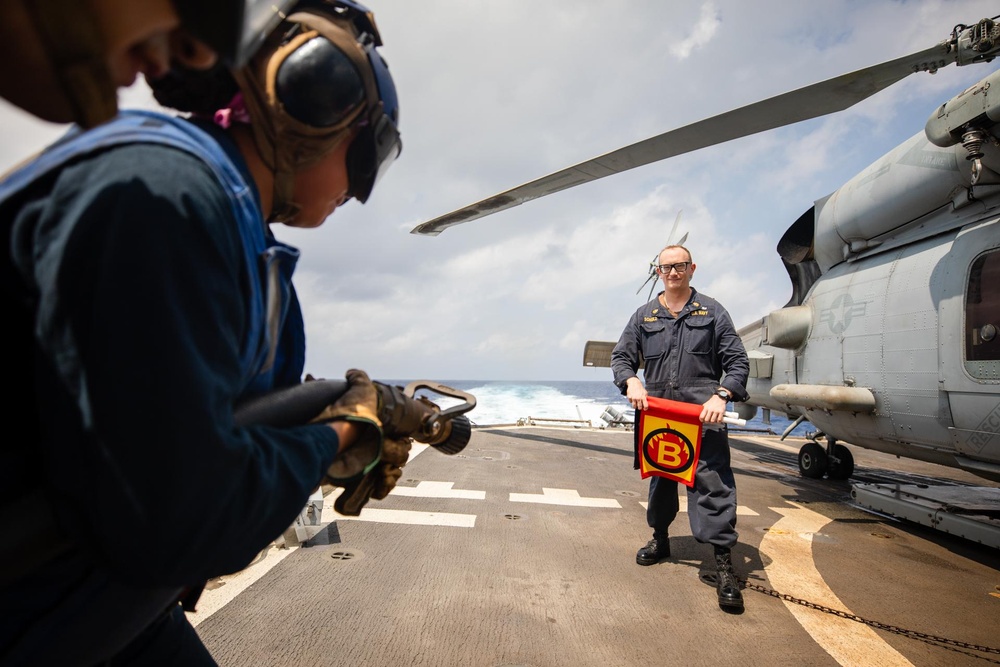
314	82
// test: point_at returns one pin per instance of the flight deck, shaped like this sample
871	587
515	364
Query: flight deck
521	551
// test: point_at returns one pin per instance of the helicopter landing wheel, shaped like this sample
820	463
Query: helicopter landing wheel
841	463
812	460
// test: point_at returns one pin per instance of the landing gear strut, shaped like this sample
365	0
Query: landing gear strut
835	460
840	461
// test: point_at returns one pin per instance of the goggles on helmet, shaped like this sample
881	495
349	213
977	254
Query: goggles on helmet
377	144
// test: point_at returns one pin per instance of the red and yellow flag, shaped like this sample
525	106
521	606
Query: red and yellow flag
668	439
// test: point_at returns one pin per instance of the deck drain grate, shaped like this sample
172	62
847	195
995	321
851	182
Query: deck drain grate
513	517
343	555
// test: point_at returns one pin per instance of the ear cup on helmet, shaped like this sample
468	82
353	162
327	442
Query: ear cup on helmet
318	84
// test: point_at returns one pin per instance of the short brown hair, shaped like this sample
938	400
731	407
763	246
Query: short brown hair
671	247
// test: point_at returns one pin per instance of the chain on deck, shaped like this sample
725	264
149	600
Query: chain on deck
941	642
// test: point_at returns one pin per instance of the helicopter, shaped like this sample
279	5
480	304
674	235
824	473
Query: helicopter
891	337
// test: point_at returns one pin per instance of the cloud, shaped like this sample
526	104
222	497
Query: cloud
702	33
494	94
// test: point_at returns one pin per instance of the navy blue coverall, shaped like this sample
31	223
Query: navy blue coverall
685	360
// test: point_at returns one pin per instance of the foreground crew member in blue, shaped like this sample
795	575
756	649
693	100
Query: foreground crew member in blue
687	341
148	297
65	59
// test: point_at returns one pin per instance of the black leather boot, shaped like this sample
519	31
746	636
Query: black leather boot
728	587
654	551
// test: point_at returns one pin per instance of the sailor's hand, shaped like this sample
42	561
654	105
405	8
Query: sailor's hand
636	394
359	401
713	410
354	417
401	415
378	482
395	453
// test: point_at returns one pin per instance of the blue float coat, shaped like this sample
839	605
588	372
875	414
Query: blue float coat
127	295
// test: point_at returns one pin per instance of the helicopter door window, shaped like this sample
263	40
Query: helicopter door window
982	317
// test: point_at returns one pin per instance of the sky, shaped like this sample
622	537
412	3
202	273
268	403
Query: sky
497	93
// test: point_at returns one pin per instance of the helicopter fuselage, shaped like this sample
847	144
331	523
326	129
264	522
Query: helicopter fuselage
892	340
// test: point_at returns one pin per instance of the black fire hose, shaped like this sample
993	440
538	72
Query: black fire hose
401	412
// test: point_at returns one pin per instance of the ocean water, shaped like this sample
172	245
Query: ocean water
505	402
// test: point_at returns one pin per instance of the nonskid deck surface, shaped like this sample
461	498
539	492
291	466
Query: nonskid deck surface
521	551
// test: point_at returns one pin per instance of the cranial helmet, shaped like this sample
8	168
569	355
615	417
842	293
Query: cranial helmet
315	82
235	29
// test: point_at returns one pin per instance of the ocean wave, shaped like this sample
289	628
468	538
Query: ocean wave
506	402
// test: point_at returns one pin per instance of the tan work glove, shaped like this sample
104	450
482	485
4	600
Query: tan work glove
395	453
378	482
357	405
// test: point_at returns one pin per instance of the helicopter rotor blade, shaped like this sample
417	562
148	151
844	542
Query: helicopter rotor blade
652	265
813	101
651	276
673	230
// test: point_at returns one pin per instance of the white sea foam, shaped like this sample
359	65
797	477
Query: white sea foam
507	402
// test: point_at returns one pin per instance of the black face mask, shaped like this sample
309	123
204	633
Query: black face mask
200	92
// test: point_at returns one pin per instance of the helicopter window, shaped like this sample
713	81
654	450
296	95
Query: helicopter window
982	316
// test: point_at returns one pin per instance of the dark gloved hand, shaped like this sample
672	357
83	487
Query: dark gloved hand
395	453
358	405
378	482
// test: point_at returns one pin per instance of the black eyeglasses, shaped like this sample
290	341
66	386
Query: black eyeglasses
679	267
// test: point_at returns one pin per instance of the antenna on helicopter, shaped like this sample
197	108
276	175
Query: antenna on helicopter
652	265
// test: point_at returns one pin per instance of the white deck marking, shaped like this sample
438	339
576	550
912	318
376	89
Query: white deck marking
233	584
682	502
413	518
213	600
788	544
562	497
416	448
428	489
410	517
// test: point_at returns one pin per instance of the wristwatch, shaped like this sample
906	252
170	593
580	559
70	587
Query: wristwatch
724	394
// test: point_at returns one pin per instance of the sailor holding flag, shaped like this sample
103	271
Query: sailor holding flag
691	354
